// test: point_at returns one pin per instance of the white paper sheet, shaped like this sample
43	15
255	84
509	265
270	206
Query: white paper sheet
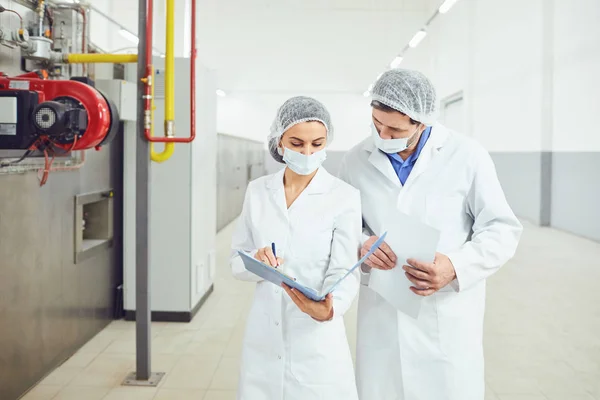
408	238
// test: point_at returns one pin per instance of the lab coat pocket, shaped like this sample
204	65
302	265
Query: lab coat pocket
446	212
318	351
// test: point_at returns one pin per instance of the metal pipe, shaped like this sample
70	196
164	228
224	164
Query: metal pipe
74	58
170	71
169	148
85	23
142	234
40	10
168	139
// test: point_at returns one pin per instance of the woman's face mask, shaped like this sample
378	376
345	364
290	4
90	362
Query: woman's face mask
391	146
303	164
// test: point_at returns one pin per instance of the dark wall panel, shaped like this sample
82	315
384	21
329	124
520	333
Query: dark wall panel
49	306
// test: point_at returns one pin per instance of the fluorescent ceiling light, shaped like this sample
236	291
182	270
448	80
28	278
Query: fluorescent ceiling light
446	6
221	93
414	42
396	62
129	36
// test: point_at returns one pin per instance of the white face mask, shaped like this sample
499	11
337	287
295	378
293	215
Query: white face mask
302	164
390	146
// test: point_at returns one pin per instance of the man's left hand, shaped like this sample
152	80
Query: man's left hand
428	278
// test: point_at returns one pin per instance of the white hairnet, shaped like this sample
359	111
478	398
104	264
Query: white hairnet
409	92
294	111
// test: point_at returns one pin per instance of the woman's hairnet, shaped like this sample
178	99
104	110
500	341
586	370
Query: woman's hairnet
294	111
409	92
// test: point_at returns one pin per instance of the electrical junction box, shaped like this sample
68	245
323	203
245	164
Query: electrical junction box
123	94
16	128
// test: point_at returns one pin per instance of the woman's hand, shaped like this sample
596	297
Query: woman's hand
319	310
266	255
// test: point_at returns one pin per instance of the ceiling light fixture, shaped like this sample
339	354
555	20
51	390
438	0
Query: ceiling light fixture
446	6
414	42
396	62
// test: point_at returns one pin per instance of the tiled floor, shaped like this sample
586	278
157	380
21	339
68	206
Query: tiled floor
542	335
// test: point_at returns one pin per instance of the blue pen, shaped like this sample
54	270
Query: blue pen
274	252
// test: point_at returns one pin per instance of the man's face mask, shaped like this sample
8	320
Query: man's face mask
391	146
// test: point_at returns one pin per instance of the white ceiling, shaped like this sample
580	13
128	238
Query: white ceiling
335	46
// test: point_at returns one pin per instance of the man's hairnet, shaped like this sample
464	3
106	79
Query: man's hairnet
409	92
294	111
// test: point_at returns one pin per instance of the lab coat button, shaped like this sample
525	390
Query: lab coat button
277	323
279	357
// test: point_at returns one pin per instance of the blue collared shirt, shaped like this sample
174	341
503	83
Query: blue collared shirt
404	167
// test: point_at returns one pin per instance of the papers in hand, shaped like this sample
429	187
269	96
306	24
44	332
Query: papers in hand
277	277
408	238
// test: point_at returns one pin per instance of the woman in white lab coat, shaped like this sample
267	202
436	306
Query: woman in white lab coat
295	348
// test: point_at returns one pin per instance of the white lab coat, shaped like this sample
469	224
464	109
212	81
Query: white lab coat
287	354
453	187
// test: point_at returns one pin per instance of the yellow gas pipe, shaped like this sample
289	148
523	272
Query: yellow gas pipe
169	146
169	127
93	58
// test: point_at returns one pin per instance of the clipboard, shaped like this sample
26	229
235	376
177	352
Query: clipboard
277	277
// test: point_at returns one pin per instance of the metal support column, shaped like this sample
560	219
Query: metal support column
143	375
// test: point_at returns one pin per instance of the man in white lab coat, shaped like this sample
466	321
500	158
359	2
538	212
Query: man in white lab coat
413	165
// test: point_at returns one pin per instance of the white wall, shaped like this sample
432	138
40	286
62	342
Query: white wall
576	77
492	52
528	72
495	53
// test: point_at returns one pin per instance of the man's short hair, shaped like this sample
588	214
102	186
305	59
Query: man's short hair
382	107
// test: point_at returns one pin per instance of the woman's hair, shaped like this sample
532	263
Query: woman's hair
295	111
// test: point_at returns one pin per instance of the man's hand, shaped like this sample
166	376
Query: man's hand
383	258
429	278
266	256
319	310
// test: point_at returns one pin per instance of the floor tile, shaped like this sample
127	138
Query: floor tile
226	376
42	392
220	395
206	348
131	393
107	370
172	342
62	376
82	393
570	397
192	372
80	360
179	394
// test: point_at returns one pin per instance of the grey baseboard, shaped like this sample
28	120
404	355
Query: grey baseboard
173	316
